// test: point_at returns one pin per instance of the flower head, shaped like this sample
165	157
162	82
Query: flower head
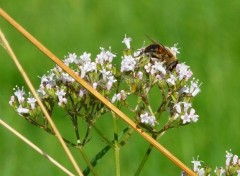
85	58
158	68
120	96
147	119
61	97
104	56
171	80
183	71
19	93
70	59
128	63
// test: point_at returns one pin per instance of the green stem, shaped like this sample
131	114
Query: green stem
116	146
145	157
87	161
124	136
75	124
103	136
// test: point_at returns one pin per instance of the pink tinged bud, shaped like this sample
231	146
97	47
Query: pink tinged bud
95	85
12	100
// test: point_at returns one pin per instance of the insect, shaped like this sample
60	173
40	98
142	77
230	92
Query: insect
159	52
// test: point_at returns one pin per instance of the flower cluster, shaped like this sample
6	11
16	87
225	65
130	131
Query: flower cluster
23	105
232	166
137	76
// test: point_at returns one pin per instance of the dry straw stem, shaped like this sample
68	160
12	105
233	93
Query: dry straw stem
27	80
24	139
54	58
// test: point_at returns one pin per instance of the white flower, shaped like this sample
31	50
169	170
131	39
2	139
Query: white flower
138	53
193	90
105	73
147	119
61	97
87	67
177	107
110	82
127	41
101	57
41	91
174	50
19	94
32	102
201	172
186	106
235	160
85	58
44	79
22	110
104	56
185	118
110	55
157	67
66	78
148	67
70	59
171	80
222	171
193	116
120	96
82	92
48	80
183	71
128	63
196	164
228	158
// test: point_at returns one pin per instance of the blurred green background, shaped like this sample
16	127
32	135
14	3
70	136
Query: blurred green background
208	34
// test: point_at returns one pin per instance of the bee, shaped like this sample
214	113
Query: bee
157	51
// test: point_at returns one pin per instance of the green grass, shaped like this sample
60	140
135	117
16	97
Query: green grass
208	35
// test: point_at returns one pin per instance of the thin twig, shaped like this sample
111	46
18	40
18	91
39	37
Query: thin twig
55	59
45	112
24	139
